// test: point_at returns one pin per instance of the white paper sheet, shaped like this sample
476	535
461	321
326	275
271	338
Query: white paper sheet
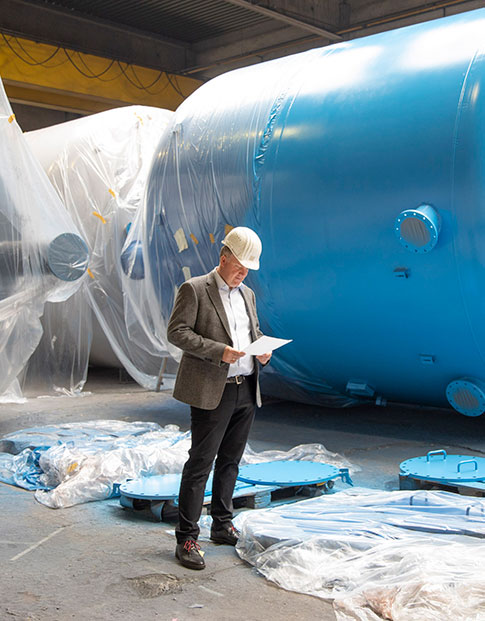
265	345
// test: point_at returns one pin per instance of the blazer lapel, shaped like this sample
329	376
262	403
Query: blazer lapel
213	291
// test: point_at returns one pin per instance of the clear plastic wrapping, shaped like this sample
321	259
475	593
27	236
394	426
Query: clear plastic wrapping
78	462
42	254
402	556
99	166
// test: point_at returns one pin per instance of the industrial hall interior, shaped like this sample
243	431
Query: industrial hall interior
242	290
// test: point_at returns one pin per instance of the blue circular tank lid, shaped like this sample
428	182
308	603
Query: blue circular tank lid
418	229
161	487
67	256
439	466
164	486
467	396
287	473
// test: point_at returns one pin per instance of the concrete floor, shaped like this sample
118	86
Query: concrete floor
98	561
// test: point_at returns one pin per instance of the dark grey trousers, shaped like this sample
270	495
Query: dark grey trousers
220	433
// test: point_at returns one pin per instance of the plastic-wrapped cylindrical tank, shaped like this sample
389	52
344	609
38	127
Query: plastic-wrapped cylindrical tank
42	255
361	167
99	166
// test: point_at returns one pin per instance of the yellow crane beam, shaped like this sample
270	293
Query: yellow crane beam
56	77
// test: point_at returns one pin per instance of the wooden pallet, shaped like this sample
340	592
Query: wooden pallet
249	497
466	488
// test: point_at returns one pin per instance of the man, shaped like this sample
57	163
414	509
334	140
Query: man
213	320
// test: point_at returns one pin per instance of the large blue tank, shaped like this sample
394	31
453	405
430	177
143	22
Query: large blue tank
361	166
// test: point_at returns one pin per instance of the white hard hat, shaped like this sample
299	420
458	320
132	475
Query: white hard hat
245	245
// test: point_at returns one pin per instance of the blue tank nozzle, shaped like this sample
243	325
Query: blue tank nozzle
418	229
67	257
467	396
132	260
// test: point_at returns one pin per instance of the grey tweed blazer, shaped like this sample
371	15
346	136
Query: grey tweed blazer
198	325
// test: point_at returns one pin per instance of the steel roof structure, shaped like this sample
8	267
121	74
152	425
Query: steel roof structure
202	38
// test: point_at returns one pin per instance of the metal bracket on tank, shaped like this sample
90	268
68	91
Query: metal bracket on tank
345	476
427	358
360	388
402	272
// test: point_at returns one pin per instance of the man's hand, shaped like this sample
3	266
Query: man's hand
264	358
232	355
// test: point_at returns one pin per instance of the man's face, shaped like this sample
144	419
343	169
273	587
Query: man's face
232	271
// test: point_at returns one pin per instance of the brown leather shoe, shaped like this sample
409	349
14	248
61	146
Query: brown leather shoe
226	533
188	553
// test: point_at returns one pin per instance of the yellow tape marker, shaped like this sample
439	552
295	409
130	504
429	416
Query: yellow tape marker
213	241
227	228
98	215
90	273
194	239
72	467
11	118
139	118
112	192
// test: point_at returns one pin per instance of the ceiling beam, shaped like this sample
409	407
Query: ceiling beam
282	17
283	47
211	61
71	29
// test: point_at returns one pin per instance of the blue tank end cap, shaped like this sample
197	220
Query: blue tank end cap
67	256
440	466
467	396
287	473
161	487
165	486
132	260
418	229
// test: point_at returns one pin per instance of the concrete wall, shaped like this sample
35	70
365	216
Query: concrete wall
34	117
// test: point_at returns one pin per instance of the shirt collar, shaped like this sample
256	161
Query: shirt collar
222	284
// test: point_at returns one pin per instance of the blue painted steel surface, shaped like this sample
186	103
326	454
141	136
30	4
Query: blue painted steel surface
288	473
320	153
439	466
163	487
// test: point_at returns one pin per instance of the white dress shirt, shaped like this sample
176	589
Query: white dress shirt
239	324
